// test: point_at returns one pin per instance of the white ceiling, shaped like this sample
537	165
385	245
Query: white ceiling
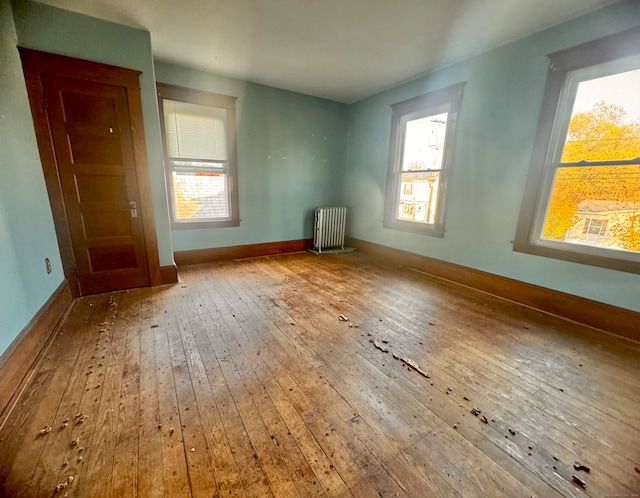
342	50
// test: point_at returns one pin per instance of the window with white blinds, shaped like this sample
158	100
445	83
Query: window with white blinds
199	139
195	131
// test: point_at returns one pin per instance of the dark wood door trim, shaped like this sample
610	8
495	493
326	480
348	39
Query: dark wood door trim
36	64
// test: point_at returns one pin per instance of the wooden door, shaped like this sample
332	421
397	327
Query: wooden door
93	147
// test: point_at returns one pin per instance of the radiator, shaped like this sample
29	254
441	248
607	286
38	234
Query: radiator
329	228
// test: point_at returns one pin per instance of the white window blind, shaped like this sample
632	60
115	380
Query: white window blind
195	131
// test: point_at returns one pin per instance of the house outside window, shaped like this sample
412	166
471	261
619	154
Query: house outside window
198	131
422	136
582	200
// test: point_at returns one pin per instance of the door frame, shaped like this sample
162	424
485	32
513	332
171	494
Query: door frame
35	64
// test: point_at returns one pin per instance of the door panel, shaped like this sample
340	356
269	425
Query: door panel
93	147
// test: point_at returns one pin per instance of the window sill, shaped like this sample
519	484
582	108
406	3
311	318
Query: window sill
197	225
415	227
577	256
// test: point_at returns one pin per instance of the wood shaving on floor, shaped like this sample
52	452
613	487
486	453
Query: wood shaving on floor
64	484
45	430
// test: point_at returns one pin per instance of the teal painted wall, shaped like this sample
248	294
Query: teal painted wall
497	126
58	31
291	151
27	234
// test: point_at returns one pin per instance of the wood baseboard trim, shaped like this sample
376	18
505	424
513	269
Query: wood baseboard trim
184	258
168	275
22	354
606	317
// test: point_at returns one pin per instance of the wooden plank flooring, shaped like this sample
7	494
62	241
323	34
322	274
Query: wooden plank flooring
241	380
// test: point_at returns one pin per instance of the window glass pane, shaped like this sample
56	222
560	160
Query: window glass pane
419	196
597	206
605	120
195	131
424	142
594	226
200	195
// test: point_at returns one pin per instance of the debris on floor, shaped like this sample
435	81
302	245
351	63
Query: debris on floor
412	365
64	484
476	411
638	470
81	418
379	346
484	419
416	367
343	318
579	482
579	466
75	441
45	430
512	432
155	326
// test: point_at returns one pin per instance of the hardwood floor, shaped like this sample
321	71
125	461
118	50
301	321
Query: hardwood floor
242	380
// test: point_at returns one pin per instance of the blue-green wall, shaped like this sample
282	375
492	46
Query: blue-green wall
27	234
497	126
291	152
58	31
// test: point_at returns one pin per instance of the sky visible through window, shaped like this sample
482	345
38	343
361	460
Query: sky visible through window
424	142
621	89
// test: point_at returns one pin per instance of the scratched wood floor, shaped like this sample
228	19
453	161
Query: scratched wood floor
243	381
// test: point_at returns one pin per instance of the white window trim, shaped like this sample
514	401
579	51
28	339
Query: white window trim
567	68
444	100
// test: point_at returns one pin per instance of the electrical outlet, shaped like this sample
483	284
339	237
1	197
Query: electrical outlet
47	264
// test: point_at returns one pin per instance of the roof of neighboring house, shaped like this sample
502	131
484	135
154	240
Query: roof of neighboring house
606	206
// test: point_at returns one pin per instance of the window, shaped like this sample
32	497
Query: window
582	199
595	226
422	135
198	129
